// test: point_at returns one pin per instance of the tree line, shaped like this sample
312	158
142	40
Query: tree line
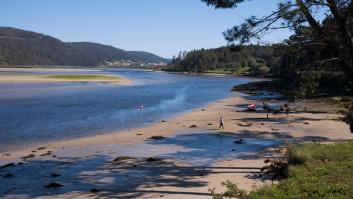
244	60
20	47
316	59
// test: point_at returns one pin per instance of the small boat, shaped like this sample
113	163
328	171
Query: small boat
252	107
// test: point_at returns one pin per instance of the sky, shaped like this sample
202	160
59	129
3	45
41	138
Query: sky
162	27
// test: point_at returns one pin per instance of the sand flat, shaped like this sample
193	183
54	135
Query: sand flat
46	79
175	178
41	75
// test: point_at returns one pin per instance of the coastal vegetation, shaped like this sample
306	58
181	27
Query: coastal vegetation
311	171
316	60
239	60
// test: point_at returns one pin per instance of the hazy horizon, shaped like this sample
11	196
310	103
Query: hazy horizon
160	27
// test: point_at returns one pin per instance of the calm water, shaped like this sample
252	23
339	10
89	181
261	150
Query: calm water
35	113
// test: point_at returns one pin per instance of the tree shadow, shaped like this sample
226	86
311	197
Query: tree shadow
282	120
113	179
137	177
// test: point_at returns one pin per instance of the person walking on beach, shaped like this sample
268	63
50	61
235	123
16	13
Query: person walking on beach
221	122
141	107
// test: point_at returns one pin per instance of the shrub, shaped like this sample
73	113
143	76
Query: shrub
232	191
262	70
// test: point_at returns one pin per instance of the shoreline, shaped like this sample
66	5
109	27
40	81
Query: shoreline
301	127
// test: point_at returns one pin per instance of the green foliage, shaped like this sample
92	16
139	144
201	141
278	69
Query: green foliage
325	173
314	171
262	70
306	84
232	191
20	47
243	60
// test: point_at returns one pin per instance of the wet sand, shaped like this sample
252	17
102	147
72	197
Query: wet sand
87	168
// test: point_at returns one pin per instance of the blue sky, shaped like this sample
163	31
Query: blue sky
163	27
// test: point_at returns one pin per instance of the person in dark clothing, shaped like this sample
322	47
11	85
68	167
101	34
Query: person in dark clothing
221	122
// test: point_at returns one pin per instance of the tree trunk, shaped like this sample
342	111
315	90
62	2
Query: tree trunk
346	39
309	17
345	36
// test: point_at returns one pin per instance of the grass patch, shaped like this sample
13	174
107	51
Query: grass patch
314	171
82	77
230	71
219	71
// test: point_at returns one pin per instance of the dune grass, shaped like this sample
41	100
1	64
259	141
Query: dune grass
82	77
314	171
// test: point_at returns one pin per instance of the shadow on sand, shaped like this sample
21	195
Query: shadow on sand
137	177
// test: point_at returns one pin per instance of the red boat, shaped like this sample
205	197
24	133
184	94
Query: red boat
252	107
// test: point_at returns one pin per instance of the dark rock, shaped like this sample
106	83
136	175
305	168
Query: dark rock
28	156
157	137
53	185
94	190
151	159
8	165
240	141
139	134
209	124
233	150
45	154
193	126
41	148
203	110
55	175
121	158
164	121
8	175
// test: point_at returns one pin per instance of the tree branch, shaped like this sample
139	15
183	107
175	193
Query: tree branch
313	23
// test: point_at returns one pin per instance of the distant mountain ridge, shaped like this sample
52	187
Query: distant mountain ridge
21	47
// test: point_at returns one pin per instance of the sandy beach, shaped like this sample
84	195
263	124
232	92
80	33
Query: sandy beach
133	175
16	75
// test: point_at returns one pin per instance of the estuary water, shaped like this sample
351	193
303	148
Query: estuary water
32	113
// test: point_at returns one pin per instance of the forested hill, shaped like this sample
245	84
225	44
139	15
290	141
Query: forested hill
20	47
251	59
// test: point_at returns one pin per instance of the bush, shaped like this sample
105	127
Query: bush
232	191
262	70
